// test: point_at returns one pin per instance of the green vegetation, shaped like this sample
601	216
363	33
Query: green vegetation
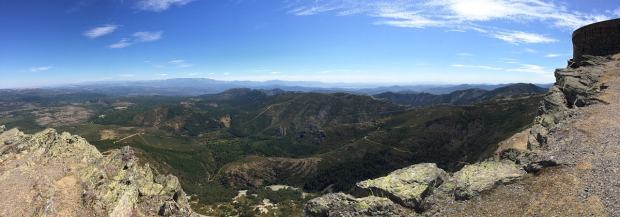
308	140
278	202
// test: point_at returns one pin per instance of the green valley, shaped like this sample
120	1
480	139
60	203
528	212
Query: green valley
244	139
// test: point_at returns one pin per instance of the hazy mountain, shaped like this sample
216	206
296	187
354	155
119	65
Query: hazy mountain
200	86
461	97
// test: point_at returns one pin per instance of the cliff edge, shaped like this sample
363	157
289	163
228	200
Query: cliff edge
568	164
58	174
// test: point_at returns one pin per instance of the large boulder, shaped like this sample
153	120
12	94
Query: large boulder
344	205
407	186
483	176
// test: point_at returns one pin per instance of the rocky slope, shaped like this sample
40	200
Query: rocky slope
569	166
58	174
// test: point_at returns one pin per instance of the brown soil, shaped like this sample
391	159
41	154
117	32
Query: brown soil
517	142
62	116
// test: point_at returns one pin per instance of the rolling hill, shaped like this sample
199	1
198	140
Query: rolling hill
461	97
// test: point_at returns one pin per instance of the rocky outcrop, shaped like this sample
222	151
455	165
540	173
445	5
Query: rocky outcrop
58	174
575	87
418	188
483	176
407	186
340	204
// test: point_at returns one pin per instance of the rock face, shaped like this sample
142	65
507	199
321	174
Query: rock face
343	205
58	174
598	39
575	87
407	186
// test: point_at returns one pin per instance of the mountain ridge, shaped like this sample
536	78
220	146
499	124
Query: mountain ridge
200	86
462	97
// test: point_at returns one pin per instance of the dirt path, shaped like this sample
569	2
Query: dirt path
591	145
381	144
128	137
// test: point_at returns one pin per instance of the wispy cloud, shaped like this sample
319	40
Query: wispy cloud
40	68
138	37
179	63
100	31
147	36
406	19
484	67
508	60
123	43
160	5
465	54
518	37
555	55
530	68
312	10
552	55
127	75
459	15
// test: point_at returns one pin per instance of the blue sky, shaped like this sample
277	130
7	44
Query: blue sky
363	41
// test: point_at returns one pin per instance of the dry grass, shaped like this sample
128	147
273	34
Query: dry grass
62	116
517	142
554	192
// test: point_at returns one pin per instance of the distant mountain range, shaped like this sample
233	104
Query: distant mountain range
201	86
462	97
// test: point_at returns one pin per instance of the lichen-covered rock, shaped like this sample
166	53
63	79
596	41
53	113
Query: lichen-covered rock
344	205
52	174
479	177
407	186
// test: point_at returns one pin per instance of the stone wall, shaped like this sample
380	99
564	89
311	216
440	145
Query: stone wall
597	39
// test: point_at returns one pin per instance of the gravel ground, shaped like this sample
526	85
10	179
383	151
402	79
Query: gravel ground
590	144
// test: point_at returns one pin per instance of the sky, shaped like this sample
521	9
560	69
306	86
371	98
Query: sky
353	41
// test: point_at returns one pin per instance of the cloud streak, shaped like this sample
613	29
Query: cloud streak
100	31
40	68
160	5
517	37
529	68
459	15
477	67
179	63
123	43
147	36
138	37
